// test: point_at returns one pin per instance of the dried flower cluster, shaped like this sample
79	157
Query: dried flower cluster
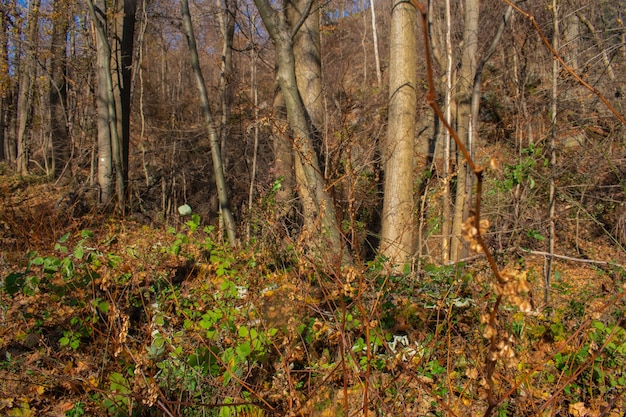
514	288
470	232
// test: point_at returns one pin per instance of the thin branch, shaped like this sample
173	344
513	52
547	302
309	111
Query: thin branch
566	67
571	258
303	17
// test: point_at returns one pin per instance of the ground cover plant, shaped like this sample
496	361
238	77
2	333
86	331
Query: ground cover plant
116	318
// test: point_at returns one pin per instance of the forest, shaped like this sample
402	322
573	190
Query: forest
312	208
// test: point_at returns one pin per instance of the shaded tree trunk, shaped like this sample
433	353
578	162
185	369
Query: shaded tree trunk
464	120
24	99
61	146
321	226
398	206
229	222
5	89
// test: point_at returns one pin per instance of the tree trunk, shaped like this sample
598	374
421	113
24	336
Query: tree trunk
226	16
398	205
554	110
108	139
308	62
121	70
322	230
24	99
61	146
5	91
446	203
458	249
379	74
229	222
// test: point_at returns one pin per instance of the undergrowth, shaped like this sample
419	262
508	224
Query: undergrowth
127	320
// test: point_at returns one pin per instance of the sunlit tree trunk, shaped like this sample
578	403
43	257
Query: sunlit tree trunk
379	73
108	139
220	182
308	62
61	146
397	238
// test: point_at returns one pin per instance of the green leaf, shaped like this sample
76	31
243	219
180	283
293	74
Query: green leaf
14	282
243	350
64	238
243	331
79	251
103	306
86	234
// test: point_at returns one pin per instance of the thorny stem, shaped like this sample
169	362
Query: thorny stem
491	359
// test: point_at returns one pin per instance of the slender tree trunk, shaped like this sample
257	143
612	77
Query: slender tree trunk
606	60
5	90
398	206
24	100
458	248
61	146
554	111
254	91
229	222
379	73
226	16
445	230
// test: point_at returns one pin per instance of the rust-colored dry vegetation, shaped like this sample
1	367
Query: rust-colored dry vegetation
151	313
105	316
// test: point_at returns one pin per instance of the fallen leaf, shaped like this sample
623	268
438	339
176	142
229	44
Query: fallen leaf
578	409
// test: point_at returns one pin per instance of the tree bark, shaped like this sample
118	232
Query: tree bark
307	52
109	160
61	146
226	16
24	100
398	206
229	222
321	228
122	48
5	90
458	248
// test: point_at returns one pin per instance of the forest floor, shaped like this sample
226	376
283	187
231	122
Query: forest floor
105	316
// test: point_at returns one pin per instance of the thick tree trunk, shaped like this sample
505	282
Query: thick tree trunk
322	230
397	236
61	147
229	222
108	139
308	61
283	157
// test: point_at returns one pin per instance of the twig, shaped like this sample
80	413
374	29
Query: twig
571	258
